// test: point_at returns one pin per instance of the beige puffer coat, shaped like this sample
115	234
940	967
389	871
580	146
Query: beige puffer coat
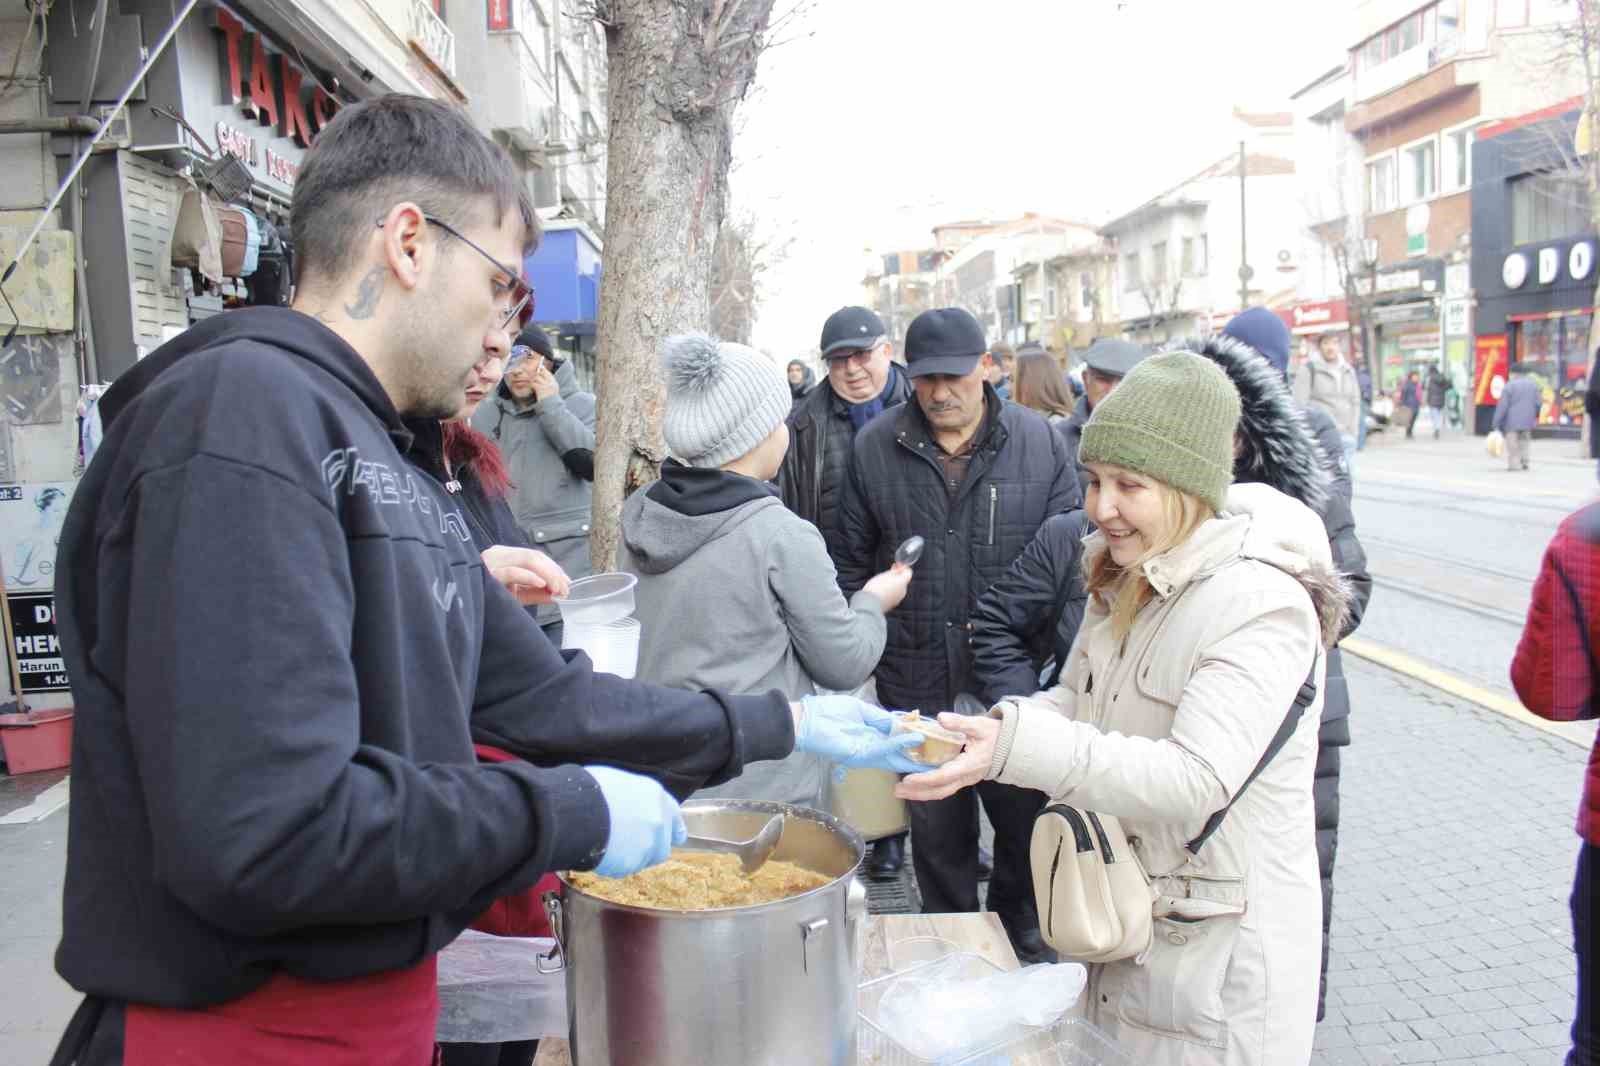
1160	730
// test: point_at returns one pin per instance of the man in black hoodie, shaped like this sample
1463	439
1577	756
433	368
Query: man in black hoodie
282	644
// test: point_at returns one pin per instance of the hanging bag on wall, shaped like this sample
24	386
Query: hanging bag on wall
1095	900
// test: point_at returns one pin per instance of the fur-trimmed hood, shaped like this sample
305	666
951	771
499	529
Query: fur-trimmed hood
1280	449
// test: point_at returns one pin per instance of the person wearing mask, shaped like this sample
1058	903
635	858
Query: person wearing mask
273	847
1557	677
736	592
1105	364
1516	414
1437	390
800	381
861	383
975	477
1040	387
1288	448
1210	605
1328	382
544	426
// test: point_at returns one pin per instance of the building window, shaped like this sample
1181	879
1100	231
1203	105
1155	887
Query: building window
1158	266
1548	207
1187	263
1381	194
1131	278
1050	302
1456	166
1086	289
1202	258
1421	178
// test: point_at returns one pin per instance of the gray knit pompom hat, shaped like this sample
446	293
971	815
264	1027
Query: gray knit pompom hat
723	399
1172	418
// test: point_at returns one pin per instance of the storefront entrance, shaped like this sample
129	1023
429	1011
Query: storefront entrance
1553	349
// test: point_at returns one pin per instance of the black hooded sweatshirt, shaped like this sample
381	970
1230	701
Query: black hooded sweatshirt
277	635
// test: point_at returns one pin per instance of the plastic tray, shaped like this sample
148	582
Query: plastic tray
1069	1042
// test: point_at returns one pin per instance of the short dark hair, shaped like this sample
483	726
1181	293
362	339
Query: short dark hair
392	148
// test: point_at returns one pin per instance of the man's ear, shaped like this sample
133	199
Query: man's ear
404	245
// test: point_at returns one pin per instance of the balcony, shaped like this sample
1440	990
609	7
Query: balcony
1428	86
427	33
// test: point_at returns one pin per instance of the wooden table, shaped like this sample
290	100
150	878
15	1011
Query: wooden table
980	934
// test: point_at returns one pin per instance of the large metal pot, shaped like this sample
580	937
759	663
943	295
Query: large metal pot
769	985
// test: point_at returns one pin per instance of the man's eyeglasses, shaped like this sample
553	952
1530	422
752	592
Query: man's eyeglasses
518	292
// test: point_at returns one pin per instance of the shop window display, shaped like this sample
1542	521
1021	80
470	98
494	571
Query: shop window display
1553	351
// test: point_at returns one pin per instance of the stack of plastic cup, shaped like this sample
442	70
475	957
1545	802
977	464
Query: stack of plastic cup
597	619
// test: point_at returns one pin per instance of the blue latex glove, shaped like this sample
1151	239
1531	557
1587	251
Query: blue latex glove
854	734
645	822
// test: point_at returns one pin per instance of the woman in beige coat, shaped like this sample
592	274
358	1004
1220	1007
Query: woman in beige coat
1209	608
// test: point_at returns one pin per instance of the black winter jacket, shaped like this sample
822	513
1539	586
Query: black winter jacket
1018	478
1071	430
1040	600
281	642
489	517
814	470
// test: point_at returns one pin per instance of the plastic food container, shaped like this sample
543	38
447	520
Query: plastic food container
1069	1042
939	744
598	600
613	647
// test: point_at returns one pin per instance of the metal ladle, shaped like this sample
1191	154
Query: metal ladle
752	853
909	552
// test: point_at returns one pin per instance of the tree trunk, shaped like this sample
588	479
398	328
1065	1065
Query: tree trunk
678	68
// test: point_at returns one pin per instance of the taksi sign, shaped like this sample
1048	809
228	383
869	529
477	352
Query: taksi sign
273	91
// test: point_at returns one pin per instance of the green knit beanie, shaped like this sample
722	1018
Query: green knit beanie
1172	418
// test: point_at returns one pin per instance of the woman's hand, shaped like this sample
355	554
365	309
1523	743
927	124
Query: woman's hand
532	577
965	770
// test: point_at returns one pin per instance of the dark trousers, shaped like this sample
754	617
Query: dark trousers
944	850
516	1053
1586	942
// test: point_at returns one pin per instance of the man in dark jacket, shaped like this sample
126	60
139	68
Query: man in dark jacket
1029	618
1277	446
282	644
1438	389
1105	364
1516	414
800	381
975	477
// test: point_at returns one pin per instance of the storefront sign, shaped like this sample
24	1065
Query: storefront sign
1546	266
1455	317
274	91
1457	280
34	642
1420	341
1514	271
499	14
1394	281
1490	356
1417	311
1580	260
1549	265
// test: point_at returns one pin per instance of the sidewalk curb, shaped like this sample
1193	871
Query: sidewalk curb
1576	733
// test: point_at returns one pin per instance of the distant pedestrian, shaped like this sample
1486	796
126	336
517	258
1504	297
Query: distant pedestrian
1438	388
1591	409
1364	379
1329	381
1411	401
1001	369
1105	364
1556	675
1516	414
800	380
1040	386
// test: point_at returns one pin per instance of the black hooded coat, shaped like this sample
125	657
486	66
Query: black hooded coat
1281	449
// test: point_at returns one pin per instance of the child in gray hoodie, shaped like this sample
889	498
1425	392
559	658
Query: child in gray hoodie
736	592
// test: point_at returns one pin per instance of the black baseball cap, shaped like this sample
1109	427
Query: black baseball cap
851	328
946	340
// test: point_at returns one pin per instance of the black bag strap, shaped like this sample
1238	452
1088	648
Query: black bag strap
1302	700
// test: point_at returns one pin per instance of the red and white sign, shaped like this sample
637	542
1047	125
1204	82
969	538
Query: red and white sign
1318	317
499	14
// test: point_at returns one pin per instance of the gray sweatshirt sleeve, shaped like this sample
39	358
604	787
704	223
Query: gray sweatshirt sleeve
568	422
838	643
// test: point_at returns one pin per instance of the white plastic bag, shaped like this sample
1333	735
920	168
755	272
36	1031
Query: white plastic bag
491	991
939	1013
1495	444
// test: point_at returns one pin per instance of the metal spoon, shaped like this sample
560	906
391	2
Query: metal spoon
753	853
910	551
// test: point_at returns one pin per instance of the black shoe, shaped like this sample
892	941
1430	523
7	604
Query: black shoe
985	863
1031	948
888	858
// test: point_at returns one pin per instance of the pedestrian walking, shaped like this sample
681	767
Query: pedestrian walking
544	424
1328	381
1591	410
862	382
1557	676
1437	389
800	381
1105	364
1004	361
282	644
1411	402
1209	609
1275	447
975	477
1040	387
1364	379
1515	416
736	593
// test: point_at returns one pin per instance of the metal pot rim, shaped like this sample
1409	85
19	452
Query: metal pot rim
826	820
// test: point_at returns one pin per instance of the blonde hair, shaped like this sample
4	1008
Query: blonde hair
1124	590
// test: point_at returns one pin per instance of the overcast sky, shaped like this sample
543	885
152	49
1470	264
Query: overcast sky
872	120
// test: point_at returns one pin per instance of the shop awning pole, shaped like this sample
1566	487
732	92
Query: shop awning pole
88	149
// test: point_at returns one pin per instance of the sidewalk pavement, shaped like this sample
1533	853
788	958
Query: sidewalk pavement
1561	469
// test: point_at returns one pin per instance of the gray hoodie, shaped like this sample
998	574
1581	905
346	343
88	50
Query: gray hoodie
737	593
552	502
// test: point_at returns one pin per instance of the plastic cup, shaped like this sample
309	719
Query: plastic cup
598	599
613	647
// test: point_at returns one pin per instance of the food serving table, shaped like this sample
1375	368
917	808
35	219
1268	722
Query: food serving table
979	934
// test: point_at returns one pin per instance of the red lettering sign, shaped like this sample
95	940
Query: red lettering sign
232	36
323	107
499	14
263	100
295	123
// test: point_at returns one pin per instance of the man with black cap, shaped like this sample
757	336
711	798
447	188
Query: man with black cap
862	383
1105	364
975	477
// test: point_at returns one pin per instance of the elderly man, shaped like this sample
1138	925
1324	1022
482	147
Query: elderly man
975	477
1106	363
